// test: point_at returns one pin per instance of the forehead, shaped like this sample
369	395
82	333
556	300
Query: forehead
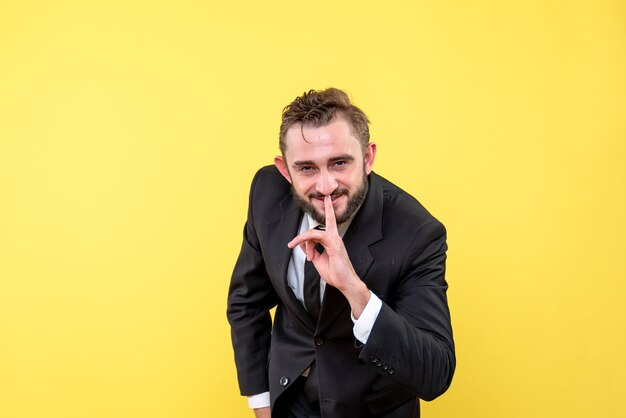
315	143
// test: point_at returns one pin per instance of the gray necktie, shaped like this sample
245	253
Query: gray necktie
311	288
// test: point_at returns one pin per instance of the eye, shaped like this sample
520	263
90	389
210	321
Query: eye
340	163
305	168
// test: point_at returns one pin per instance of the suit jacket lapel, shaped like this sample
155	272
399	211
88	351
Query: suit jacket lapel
365	230
280	231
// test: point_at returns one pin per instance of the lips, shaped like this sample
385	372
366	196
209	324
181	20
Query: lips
333	197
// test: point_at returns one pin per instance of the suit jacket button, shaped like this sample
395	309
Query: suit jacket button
318	341
378	363
385	367
391	371
373	358
284	381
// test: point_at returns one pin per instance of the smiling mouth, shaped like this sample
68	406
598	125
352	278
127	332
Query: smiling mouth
333	197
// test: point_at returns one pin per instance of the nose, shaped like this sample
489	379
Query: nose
326	183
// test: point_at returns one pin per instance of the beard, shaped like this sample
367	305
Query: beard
354	202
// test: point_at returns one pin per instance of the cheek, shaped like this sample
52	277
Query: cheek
352	180
301	186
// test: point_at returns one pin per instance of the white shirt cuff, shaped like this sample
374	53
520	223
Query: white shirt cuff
363	326
259	401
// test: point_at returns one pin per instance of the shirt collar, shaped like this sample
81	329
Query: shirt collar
341	229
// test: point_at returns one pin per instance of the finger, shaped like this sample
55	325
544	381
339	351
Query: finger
303	248
310	250
310	235
329	212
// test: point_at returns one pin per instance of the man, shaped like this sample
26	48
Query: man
355	268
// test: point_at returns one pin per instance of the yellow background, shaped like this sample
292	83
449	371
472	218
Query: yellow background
129	133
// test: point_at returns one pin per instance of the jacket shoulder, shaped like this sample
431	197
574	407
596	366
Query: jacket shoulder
268	189
269	174
403	207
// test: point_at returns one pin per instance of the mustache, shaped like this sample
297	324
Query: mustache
334	194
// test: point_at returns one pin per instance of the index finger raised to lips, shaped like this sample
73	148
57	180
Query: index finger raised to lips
329	212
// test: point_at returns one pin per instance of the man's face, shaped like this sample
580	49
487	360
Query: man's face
327	160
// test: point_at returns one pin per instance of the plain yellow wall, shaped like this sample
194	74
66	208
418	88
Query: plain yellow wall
129	132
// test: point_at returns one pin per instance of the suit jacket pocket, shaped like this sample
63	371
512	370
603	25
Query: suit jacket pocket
388	399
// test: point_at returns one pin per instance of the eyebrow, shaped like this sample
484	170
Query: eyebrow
345	157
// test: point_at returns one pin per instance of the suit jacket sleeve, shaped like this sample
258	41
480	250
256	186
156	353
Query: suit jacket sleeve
411	340
250	297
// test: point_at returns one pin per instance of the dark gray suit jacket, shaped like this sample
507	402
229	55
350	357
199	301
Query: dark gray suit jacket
399	250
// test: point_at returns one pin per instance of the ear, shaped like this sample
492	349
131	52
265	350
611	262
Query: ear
369	157
281	165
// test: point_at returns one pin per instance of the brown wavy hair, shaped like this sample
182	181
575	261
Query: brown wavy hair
318	108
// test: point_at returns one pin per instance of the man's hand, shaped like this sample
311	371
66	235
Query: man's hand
333	264
263	412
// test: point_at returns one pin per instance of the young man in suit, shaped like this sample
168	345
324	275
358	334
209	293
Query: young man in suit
355	268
